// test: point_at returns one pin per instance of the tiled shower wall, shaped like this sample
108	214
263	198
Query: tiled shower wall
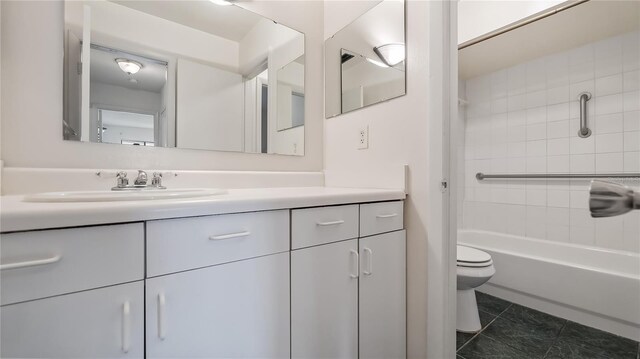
525	119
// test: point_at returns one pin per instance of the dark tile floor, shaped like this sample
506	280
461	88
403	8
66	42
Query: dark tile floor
511	331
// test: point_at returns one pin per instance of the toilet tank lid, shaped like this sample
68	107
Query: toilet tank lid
472	255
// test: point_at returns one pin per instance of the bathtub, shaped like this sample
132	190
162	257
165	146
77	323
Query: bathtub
592	286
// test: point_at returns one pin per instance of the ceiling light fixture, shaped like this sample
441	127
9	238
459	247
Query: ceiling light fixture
390	54
221	2
129	66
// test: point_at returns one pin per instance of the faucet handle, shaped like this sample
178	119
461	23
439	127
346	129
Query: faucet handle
156	181
122	180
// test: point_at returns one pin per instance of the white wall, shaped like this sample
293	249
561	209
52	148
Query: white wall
401	132
210	106
479	17
525	119
35	49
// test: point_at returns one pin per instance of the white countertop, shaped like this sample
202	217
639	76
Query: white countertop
16	215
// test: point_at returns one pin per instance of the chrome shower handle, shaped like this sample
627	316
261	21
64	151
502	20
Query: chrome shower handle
608	199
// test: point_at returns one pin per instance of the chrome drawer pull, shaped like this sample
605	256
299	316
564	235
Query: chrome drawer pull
331	223
32	263
387	215
126	327
230	235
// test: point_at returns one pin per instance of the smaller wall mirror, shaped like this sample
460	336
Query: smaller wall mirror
365	61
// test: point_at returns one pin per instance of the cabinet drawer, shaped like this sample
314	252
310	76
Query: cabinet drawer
313	226
46	263
180	244
381	217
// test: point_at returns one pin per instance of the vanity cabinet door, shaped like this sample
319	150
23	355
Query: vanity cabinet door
382	310
235	310
324	301
99	323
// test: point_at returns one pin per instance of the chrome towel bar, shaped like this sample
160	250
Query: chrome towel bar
481	176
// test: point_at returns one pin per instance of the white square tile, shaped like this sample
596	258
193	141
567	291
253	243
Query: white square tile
580	199
581	55
582	163
558	164
516	102
632	121
581	72
517	165
579	145
499	84
631	101
536	75
558	146
582	218
582	236
558	112
609	85
536	148
559	198
610	123
516	220
611	142
499	105
536	131
610	232
631	81
608	65
536	99
517	118
516	196
517	133
576	89
537	164
632	141
632	161
558	95
609	162
631	231
536	115
557	67
609	104
516	80
558	129
558	233
536	222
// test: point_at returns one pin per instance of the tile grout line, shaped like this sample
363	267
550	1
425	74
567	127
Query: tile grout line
482	329
556	339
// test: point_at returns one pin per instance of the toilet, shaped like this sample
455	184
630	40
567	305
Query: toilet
474	268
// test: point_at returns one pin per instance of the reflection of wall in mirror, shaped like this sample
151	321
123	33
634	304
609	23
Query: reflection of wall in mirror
289	141
290	96
210	108
365	83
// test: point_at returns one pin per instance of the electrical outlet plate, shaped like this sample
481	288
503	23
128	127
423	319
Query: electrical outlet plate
363	138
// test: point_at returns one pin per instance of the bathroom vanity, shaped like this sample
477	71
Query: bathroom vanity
269	273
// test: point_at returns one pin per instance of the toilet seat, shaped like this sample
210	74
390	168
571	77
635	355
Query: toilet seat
471	257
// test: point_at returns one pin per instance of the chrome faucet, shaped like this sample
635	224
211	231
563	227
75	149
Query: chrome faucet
141	180
122	180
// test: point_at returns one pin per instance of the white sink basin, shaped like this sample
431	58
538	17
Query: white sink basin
130	195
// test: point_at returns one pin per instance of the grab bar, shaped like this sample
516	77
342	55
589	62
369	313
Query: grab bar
584	131
481	176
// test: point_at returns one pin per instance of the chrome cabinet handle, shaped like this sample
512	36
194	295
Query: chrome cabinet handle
356	264
230	235
126	327
387	215
330	223
369	270
31	263
161	320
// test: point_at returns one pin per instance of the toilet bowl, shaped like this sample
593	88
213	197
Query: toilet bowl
474	268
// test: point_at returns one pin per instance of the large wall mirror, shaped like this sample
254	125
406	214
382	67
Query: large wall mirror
365	61
199	74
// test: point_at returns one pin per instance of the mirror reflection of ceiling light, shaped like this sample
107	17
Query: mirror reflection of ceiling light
129	66
390	54
221	2
377	63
